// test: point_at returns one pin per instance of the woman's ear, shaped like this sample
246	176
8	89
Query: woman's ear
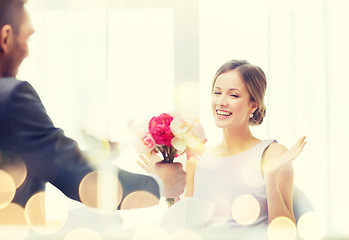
6	38
254	107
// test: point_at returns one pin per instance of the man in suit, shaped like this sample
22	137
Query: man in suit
27	132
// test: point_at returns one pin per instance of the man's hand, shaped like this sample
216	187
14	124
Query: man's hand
173	176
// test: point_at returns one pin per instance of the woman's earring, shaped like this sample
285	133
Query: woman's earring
251	115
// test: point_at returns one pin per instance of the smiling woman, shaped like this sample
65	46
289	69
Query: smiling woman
230	99
237	102
252	90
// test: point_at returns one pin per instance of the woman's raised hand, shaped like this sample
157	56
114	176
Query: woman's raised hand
148	163
273	165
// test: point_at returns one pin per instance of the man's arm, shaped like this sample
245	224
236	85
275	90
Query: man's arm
50	155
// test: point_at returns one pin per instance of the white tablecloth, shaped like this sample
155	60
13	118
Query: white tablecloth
186	220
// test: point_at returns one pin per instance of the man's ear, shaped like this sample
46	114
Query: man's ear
6	38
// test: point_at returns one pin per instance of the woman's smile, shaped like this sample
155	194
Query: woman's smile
222	114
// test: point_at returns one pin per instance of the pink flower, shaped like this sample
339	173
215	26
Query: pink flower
148	141
159	128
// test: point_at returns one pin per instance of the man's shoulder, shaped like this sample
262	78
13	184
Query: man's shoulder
8	85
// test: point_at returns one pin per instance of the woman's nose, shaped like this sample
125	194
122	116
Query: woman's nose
222	101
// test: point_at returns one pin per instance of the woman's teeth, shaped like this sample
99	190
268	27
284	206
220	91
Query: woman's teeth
223	113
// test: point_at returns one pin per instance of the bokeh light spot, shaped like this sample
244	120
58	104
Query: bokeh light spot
12	223
245	209
282	228
14	166
150	232
185	234
7	189
311	226
139	199
83	233
94	188
35	215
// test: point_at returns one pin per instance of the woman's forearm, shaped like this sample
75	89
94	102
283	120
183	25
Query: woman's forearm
276	204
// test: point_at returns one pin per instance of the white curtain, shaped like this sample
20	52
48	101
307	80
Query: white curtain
97	68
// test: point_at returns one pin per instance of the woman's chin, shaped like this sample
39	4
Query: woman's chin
219	124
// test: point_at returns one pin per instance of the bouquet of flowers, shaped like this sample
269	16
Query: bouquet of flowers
171	134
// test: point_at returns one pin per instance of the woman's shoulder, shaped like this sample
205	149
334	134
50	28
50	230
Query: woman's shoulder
273	150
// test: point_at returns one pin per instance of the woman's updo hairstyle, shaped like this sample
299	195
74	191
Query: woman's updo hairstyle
255	82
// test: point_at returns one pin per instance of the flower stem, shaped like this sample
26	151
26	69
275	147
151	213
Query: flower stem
169	153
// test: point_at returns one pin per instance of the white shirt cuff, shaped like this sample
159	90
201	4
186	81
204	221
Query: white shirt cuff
160	183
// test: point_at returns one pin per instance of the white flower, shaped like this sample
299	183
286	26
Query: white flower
179	144
179	127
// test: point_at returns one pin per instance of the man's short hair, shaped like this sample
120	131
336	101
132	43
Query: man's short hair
12	13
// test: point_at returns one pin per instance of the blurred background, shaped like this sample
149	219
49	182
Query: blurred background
99	65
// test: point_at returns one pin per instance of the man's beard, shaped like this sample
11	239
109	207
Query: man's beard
10	68
12	62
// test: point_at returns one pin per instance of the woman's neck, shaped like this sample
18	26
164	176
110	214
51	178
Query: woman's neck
236	141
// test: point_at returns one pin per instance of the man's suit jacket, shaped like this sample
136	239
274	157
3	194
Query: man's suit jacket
27	131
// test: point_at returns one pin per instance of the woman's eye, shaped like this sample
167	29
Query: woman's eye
235	96
216	93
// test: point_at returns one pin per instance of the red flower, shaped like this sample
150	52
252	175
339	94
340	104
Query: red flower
159	128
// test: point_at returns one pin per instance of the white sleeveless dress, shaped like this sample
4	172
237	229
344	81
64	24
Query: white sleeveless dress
223	180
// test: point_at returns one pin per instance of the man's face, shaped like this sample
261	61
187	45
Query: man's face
19	48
